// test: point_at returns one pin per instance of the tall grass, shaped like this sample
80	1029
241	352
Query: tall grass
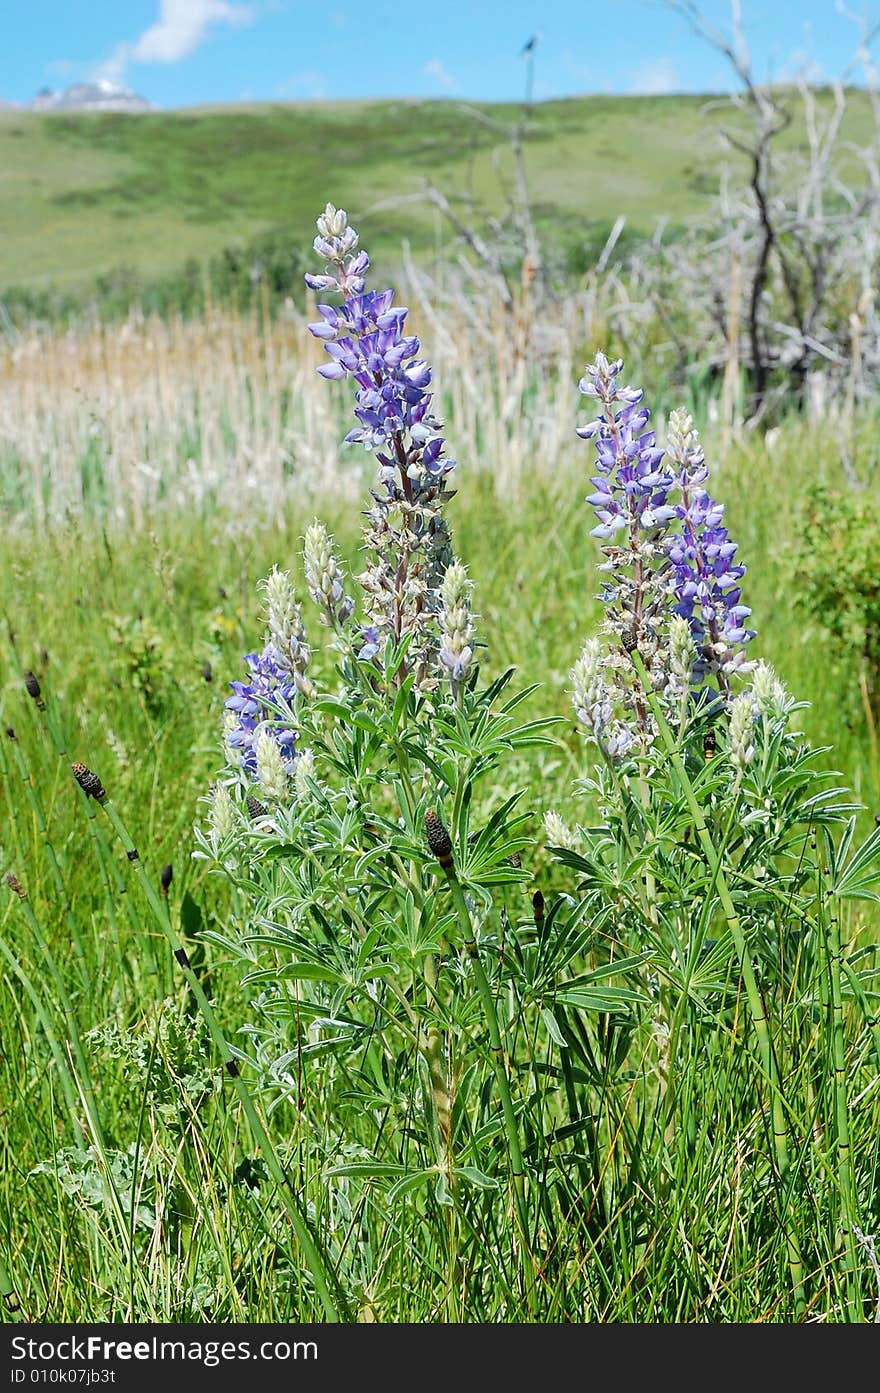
150	475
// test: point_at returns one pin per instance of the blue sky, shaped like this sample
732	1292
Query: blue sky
187	52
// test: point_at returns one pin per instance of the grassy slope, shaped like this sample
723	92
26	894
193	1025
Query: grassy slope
81	194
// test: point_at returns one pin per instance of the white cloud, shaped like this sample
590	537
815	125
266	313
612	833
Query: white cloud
655	78
182	25
434	69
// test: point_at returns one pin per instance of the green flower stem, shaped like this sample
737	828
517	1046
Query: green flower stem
325	1285
848	1214
757	1009
500	1070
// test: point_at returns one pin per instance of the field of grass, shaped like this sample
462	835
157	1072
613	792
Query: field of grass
82	194
160	1215
315	1065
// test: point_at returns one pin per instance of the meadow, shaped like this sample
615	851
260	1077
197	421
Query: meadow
153	471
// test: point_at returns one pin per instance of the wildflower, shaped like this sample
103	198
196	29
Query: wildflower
271	768
324	577
631	487
705	578
303	772
456	626
266	700
286	632
222	815
742	729
768	693
370	643
406	539
589	695
558	833
673	593
593	697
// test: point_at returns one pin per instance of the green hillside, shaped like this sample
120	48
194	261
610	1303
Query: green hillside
81	194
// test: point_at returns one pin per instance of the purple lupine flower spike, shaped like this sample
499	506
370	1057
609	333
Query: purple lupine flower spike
667	553
407	545
705	575
263	702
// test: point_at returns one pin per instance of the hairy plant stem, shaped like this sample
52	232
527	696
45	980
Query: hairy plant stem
499	1068
757	1009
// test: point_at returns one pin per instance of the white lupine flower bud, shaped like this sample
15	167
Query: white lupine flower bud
286	632
456	626
589	693
324	576
271	773
682	653
303	770
558	833
683	440
742	729
768	693
222	815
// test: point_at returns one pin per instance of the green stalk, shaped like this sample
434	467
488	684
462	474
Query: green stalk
325	1284
757	1010
49	1031
500	1070
8	1295
848	1215
43	831
73	1035
82	1077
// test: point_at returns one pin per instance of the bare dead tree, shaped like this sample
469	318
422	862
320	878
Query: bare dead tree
806	226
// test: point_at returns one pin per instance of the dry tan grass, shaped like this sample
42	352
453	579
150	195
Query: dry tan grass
123	419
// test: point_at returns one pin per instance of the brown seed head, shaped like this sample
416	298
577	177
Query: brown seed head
89	783
165	878
439	841
538	908
15	885
207	671
32	687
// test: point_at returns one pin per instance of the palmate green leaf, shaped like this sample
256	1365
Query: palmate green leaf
604	999
474	1176
552	1027
859	877
369	1170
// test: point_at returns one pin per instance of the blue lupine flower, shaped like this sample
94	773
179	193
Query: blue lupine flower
406	539
705	576
264	702
370	642
631	487
664	555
